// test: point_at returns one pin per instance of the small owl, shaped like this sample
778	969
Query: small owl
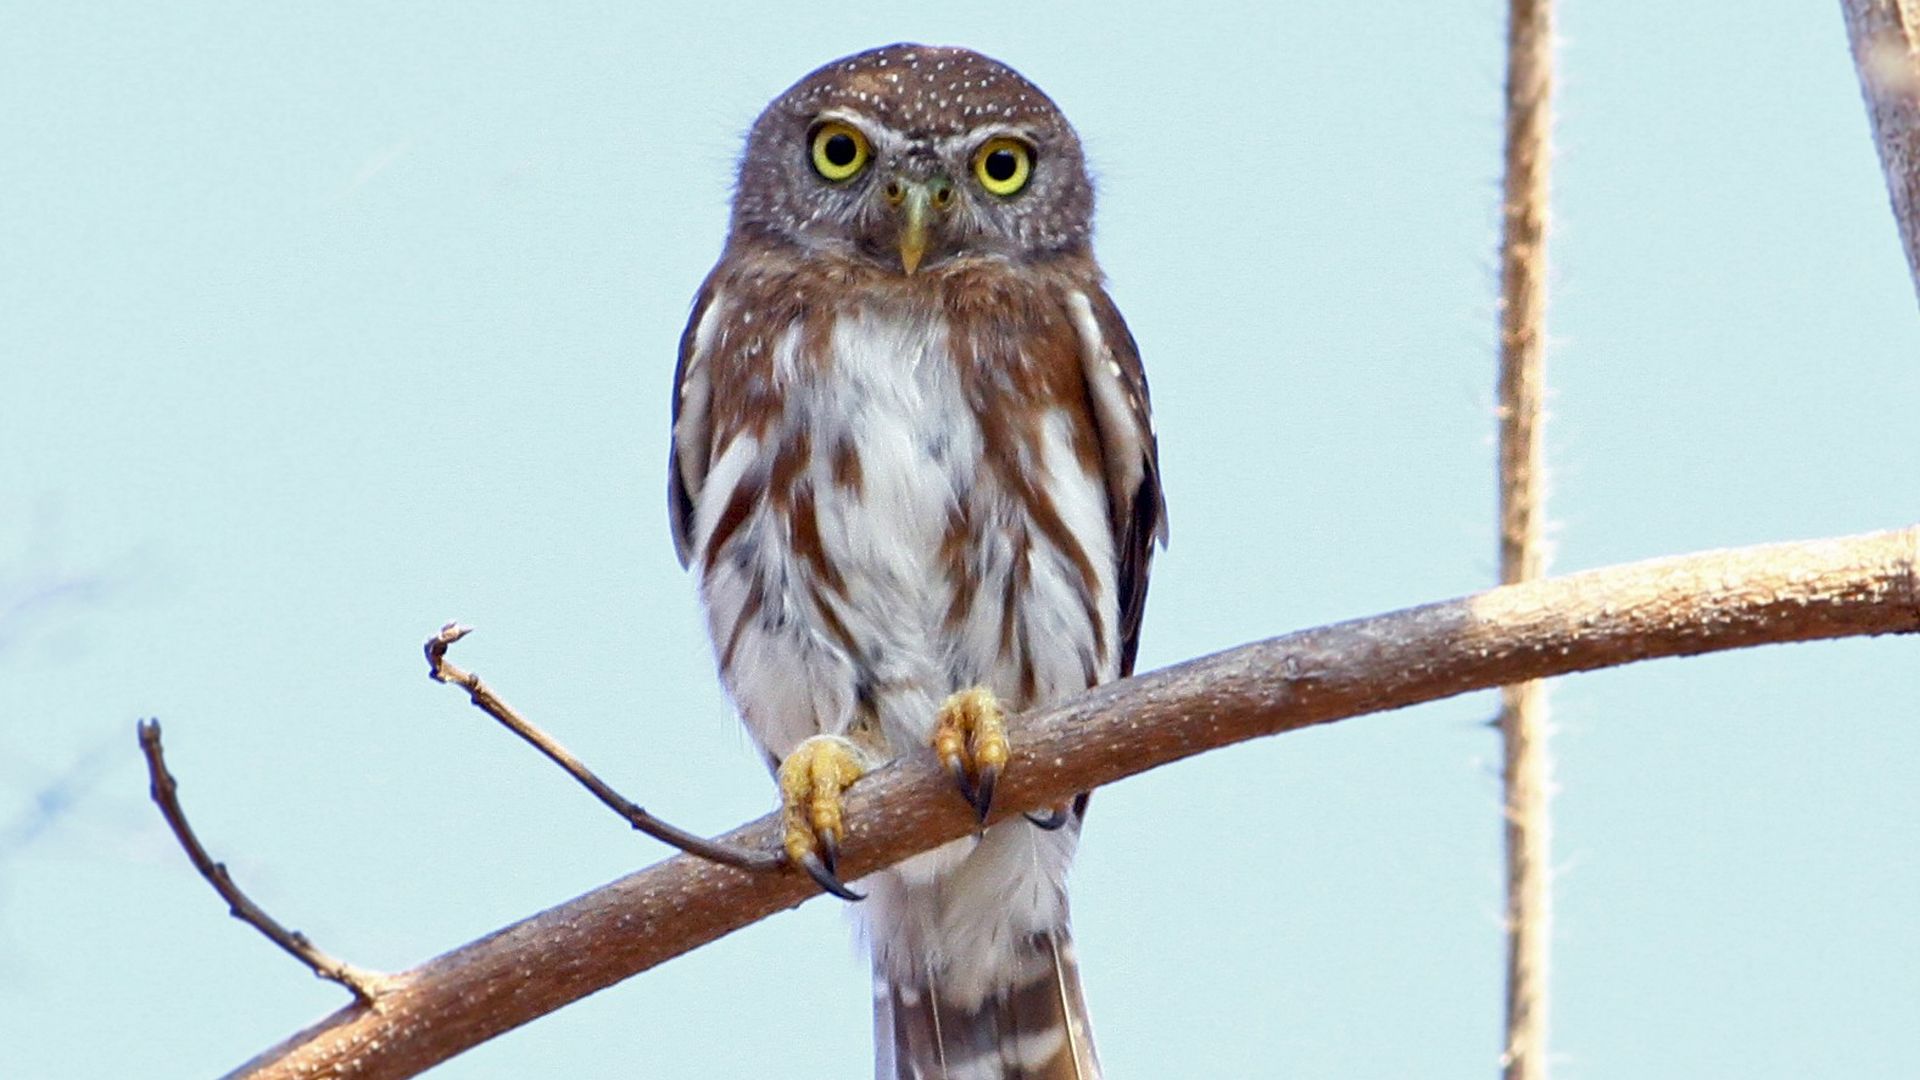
914	473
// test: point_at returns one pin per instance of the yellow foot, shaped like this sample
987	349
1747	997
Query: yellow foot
970	735
811	781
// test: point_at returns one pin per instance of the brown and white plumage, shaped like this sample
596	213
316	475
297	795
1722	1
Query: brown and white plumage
912	455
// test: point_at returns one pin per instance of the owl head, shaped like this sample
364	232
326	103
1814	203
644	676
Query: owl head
907	157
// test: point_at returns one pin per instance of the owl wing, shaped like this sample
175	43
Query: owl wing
692	428
1123	415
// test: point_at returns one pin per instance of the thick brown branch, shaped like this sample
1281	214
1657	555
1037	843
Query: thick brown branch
1602	618
1522	384
1885	35
444	671
366	985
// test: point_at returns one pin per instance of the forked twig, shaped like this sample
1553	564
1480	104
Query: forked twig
365	985
445	671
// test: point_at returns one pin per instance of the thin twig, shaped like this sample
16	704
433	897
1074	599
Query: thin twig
443	670
366	985
1678	606
1522	386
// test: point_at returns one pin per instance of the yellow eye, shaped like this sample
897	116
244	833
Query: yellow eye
839	151
1002	165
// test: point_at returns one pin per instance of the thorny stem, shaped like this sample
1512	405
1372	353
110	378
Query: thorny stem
1522	386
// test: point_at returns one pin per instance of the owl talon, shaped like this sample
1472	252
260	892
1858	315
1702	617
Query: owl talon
970	737
829	853
1053	820
816	868
812	780
982	797
957	768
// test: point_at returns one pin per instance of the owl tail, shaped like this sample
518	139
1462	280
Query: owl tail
1033	1028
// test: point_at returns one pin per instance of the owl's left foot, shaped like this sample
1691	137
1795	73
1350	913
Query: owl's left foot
970	735
812	780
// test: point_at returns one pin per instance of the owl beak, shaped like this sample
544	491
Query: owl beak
918	202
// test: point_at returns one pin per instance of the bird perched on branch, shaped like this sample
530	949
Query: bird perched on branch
914	472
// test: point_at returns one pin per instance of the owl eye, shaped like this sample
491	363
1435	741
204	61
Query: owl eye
1002	165
839	151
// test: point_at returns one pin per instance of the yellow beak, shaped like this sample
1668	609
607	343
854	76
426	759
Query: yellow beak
916	211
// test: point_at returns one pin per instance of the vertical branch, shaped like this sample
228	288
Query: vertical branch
1885	35
1523	710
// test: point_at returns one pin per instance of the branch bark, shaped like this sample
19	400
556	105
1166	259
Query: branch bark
1522	386
1885	36
1670	607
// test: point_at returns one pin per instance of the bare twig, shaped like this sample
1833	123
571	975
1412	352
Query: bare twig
1885	35
443	670
1523	706
367	986
1670	607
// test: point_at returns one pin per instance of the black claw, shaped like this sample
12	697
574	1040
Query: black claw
1054	820
829	850
827	880
961	780
982	796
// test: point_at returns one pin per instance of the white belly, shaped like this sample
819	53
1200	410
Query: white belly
925	533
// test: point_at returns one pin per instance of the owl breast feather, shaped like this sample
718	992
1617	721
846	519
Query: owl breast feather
895	525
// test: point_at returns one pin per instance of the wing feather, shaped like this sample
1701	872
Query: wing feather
1122	411
692	442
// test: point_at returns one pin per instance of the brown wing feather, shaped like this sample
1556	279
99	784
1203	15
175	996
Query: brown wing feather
1139	509
679	494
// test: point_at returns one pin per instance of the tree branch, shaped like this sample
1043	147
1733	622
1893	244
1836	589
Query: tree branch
1670	607
1885	35
1522	386
365	985
484	699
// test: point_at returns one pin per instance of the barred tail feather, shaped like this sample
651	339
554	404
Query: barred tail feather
1033	1028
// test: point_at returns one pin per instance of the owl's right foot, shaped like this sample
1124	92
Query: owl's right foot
812	779
970	738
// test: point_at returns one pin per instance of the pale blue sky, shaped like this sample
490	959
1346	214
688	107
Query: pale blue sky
320	326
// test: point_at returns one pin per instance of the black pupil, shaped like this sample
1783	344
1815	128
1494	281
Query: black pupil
840	150
1002	164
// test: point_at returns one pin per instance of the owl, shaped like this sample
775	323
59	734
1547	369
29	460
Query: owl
914	474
